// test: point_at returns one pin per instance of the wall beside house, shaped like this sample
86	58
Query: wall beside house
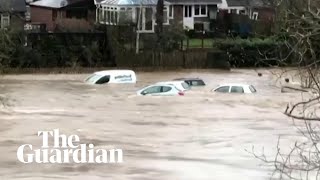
265	14
17	21
42	15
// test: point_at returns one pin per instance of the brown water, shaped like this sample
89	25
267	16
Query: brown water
201	135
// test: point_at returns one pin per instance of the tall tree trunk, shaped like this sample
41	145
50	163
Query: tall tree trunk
159	21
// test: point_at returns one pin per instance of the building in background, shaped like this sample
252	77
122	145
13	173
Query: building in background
12	13
63	15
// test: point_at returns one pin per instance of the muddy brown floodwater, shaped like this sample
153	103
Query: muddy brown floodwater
201	135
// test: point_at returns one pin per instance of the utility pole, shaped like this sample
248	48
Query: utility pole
138	29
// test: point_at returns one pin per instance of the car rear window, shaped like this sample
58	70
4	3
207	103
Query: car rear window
252	89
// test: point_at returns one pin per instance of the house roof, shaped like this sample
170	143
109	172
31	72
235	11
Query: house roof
246	3
195	1
13	6
55	3
237	2
129	2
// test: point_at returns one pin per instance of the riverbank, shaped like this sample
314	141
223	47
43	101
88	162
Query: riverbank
86	70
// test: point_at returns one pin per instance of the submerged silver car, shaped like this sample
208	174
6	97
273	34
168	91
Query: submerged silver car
160	90
180	85
235	88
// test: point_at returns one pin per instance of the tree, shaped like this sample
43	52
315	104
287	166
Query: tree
300	32
159	21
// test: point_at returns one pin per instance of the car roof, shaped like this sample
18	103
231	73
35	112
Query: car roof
184	79
106	72
170	82
162	84
234	84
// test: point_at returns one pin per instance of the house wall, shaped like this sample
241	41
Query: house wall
42	15
54	18
16	20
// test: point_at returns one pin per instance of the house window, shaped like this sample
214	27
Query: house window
125	16
147	19
165	15
242	12
255	16
54	15
233	11
187	11
5	20
171	11
200	10
101	14
111	15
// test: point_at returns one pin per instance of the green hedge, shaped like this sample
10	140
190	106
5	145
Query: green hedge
251	52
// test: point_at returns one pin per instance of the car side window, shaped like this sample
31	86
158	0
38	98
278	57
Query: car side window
194	83
223	89
152	90
188	82
185	85
165	89
103	80
237	89
197	83
252	89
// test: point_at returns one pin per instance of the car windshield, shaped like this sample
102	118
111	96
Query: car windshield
223	89
93	78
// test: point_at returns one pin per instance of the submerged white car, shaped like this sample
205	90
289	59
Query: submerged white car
160	90
112	76
181	85
235	88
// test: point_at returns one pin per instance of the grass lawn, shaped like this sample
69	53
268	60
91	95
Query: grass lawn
197	43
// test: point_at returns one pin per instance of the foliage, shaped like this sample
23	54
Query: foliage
252	43
50	51
250	52
171	38
10	42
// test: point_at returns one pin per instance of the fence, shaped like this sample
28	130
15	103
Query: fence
176	59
